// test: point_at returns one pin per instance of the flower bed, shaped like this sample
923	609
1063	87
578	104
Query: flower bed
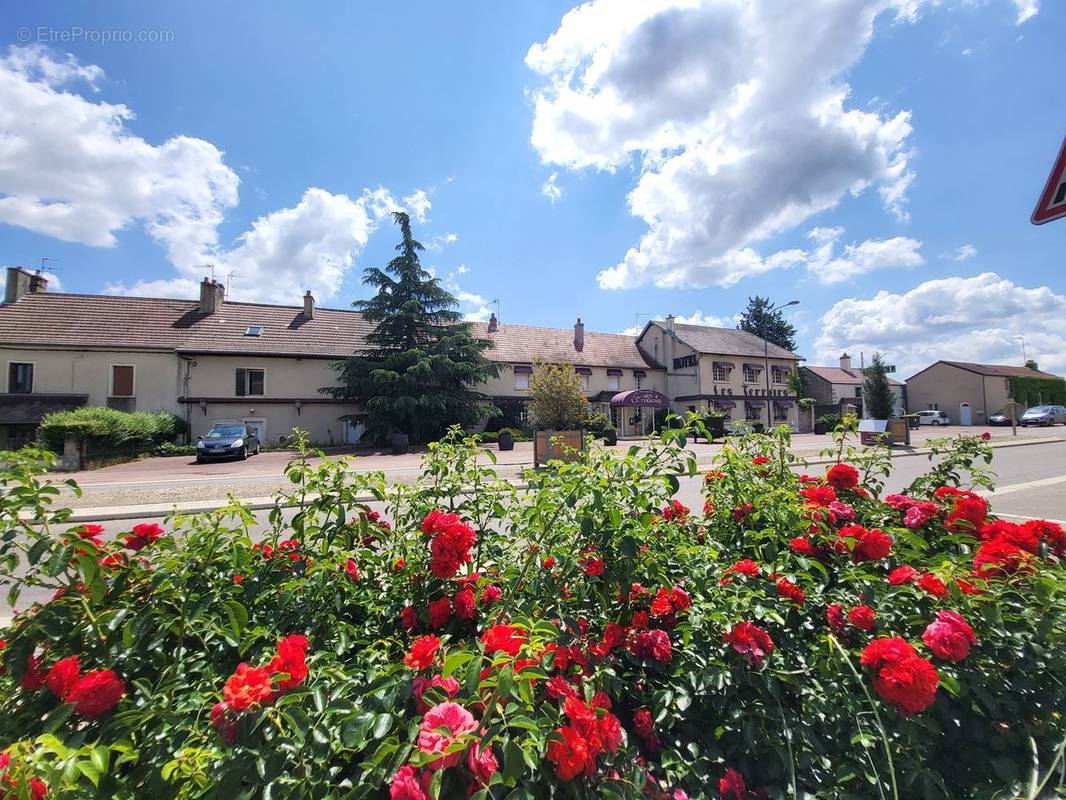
586	637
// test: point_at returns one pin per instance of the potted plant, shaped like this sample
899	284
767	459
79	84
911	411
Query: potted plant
715	422
505	440
599	425
826	423
558	409
399	442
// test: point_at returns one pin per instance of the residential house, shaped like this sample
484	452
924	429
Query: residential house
968	393
838	390
723	369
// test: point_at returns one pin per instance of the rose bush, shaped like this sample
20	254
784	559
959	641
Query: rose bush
584	636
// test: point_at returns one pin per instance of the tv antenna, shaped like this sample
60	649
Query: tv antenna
44	265
496	302
229	280
638	314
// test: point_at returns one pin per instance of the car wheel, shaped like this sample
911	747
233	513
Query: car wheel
258	448
244	453
935	422
199	460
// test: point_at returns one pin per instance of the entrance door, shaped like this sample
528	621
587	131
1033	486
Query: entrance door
964	414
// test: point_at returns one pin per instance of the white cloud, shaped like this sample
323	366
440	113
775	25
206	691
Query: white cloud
737	115
697	317
858	259
962	253
442	240
551	189
70	168
965	319
472	306
738	136
418	204
1027	9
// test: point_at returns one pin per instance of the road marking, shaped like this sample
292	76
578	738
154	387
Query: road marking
1021	487
1044	519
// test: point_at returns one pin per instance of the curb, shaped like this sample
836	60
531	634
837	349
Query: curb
161	510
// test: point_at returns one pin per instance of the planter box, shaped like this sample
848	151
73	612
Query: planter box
557	445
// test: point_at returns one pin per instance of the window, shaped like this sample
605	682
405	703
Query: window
751	374
638	377
780	413
614	380
858	391
19	378
932	406
720	373
250	382
121	380
583	376
521	377
779	374
253	330
752	413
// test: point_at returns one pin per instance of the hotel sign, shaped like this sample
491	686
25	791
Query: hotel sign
686	361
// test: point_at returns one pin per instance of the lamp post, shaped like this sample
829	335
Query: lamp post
766	358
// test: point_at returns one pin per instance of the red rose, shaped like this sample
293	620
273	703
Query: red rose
930	583
674	510
34	677
862	617
949	636
463	602
750	641
247	687
503	639
89	531
592	566
351	569
742	512
436	521
1049	532
225	722
290	661
653	643
679	597
643	723
790	591
610	732
902	575
732	786
422	653
758	461
842	476
548	563
999	558
97	692
491	595
409	784
409	618
869	544
816	495
450	548
662	605
440	611
967	515
143	535
567	751
802	546
834	615
62	677
902	677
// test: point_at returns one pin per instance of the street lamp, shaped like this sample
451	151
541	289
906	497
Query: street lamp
1025	358
766	358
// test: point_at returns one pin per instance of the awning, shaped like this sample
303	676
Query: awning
755	402
582	370
641	398
724	404
785	403
639	373
753	366
617	372
724	364
519	368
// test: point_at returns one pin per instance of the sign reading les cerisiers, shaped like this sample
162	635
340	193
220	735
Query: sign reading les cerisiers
1052	202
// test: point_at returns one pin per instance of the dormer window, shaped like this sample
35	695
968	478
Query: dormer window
253	330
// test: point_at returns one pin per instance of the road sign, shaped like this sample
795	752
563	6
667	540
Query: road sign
1052	203
888	368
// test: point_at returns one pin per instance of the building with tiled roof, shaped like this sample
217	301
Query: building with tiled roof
970	393
839	389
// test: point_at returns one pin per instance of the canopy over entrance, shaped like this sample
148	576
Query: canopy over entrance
641	398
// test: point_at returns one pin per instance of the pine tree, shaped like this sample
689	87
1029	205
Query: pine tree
773	327
415	374
880	404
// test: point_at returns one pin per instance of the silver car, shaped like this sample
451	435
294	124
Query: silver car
1044	415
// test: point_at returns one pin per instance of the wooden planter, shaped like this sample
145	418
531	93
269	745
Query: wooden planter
557	445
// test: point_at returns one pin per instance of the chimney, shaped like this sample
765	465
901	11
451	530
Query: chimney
670	322
20	283
212	294
579	335
845	361
309	305
493	323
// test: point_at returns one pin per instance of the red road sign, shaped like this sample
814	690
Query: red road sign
1052	203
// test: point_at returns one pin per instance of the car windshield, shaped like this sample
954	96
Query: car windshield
225	430
1038	410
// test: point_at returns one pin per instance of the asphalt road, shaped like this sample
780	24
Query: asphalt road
1031	483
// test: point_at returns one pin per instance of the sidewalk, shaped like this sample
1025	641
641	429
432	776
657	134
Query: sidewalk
108	502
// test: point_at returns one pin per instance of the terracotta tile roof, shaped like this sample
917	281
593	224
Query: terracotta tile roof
727	341
851	377
1000	370
76	320
525	344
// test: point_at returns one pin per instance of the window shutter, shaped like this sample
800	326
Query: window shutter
121	381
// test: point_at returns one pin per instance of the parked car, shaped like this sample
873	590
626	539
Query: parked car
933	418
1044	415
227	441
1000	418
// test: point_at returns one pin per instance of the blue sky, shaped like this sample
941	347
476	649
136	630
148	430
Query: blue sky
877	160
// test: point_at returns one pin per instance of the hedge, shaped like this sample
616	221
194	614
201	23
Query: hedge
105	431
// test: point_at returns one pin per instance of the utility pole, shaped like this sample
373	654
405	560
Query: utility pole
766	360
1025	358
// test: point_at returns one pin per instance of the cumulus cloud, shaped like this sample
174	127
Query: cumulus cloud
552	190
737	136
697	317
962	318
474	307
70	167
962	253
858	259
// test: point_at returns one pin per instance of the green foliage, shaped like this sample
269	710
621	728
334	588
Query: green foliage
877	391
1037	391
556	400
598	423
105	431
773	327
1031	364
414	375
174	623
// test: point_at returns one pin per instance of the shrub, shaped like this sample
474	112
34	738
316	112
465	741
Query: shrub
598	423
586	636
556	400
105	431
